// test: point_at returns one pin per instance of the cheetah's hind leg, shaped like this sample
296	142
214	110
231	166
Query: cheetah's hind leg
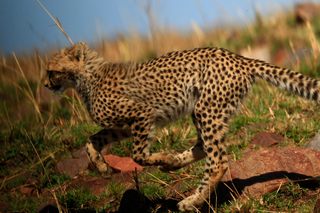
212	131
180	160
189	156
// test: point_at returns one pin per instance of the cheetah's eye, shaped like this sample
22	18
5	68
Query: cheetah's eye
52	74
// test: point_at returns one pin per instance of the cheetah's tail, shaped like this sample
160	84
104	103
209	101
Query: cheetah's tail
292	81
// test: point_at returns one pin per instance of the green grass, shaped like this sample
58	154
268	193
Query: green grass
153	191
77	199
289	198
23	204
115	190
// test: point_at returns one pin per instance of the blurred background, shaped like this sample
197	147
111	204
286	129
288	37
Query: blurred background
38	128
28	26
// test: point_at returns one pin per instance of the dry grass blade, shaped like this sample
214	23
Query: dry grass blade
313	41
56	21
165	184
29	93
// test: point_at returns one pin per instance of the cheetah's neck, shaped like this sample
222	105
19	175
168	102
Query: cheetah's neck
87	80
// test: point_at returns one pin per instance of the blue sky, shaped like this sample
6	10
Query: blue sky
24	25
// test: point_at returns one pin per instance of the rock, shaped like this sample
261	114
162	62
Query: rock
80	153
267	139
96	185
122	164
75	165
305	12
314	143
72	166
266	169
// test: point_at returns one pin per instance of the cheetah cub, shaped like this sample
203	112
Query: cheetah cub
130	100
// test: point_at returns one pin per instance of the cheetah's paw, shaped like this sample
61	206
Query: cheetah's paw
190	203
171	163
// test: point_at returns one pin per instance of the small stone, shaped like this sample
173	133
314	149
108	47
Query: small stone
314	143
80	153
72	166
75	165
267	139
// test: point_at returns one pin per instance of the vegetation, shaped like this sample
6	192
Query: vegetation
39	128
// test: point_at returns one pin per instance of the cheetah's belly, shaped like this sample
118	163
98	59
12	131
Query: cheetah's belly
175	109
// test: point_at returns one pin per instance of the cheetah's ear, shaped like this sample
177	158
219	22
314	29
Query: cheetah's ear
80	51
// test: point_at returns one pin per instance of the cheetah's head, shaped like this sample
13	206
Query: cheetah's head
63	67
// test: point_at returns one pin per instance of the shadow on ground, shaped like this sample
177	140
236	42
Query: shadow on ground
229	190
134	201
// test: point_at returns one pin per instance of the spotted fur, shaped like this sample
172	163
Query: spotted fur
130	100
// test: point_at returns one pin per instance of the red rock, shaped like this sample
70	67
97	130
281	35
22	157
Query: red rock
122	164
266	139
264	170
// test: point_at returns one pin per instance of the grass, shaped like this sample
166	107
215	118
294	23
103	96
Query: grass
39	128
79	199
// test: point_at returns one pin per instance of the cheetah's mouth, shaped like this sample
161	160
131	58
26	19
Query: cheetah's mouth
57	88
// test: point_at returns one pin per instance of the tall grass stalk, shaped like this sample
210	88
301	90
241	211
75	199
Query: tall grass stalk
29	92
314	43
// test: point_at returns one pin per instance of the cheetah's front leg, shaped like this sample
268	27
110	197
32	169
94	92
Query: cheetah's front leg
96	143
